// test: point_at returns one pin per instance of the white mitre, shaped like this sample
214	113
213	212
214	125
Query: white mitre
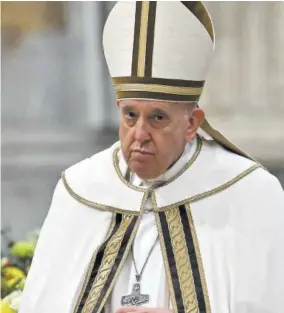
161	51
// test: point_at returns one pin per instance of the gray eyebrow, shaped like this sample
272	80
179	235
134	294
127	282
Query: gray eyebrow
127	107
158	111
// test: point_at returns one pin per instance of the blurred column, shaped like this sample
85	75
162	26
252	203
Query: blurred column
279	48
86	22
273	40
222	91
113	112
97	98
229	70
254	62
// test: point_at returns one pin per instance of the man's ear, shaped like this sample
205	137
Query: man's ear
196	119
117	103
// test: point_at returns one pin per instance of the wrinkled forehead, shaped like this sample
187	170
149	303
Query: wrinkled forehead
147	105
143	102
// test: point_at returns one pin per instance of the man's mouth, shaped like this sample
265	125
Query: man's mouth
144	152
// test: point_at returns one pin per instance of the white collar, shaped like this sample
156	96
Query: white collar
171	172
215	167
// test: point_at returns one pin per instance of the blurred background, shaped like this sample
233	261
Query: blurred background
58	106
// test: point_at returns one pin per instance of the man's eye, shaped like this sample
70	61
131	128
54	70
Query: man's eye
130	115
158	117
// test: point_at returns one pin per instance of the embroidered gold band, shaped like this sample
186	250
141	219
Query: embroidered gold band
182	262
92	204
194	242
184	91
216	190
143	38
157	81
92	264
165	257
116	247
159	96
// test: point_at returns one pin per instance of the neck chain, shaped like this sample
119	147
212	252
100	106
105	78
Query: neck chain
136	298
139	275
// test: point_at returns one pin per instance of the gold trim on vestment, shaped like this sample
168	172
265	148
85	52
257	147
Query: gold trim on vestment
223	141
189	163
185	91
199	259
92	204
187	200
92	262
142	208
110	255
183	264
143	38
117	273
164	253
214	190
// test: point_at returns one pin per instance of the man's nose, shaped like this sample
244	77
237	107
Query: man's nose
141	131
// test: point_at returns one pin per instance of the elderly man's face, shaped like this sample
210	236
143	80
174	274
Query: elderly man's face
153	134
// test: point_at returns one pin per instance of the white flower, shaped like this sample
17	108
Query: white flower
15	305
14	299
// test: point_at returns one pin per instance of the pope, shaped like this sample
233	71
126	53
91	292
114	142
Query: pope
173	217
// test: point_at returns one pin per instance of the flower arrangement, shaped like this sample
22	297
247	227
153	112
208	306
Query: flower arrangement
14	270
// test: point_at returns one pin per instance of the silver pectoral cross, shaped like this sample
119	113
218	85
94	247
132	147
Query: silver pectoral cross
135	298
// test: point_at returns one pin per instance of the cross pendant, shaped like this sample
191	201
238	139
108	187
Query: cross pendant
135	298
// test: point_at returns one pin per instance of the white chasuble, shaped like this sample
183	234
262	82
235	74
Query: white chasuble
153	279
220	222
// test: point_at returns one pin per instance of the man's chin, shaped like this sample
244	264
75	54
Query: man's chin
143	171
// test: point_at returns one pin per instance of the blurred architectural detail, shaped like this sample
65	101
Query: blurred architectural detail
22	18
245	88
58	105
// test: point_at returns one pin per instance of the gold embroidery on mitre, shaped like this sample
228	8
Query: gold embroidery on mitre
186	91
143	38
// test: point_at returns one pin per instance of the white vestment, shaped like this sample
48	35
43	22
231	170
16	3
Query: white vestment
146	235
221	236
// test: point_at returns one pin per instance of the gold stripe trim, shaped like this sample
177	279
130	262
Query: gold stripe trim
164	253
199	259
184	91
181	255
143	204
222	140
94	204
92	262
201	13
109	258
191	199
214	190
143	38
186	167
168	97
157	81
